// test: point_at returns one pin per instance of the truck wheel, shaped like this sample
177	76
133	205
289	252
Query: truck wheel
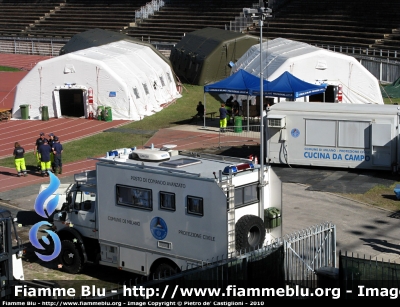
250	232
164	270
70	257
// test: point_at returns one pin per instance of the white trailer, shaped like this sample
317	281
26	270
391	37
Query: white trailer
333	135
150	210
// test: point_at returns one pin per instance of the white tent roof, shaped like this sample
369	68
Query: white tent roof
314	65
130	78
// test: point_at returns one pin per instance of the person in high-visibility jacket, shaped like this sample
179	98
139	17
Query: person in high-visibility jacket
19	159
39	142
223	113
44	152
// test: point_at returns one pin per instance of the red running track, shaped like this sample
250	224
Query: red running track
27	131
10	80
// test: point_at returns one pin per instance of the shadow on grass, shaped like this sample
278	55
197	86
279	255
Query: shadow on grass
390	197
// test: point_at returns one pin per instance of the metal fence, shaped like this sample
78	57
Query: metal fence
265	264
243	134
32	46
361	51
291	260
383	64
368	273
384	71
308	250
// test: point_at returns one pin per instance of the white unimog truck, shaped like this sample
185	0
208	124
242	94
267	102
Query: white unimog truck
152	210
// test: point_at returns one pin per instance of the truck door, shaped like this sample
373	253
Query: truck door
381	144
84	209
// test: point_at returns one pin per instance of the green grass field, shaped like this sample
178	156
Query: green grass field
5	68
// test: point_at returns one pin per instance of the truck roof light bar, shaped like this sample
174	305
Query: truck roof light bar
238	168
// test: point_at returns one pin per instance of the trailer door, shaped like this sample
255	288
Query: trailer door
381	144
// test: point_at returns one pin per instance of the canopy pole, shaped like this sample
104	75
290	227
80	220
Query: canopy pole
261	179
248	112
204	114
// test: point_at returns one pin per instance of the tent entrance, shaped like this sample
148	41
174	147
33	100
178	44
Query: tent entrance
71	102
330	95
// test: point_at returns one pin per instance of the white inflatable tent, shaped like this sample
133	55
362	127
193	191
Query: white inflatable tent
313	65
130	79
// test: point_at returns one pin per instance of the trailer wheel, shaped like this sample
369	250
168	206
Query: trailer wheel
70	257
164	270
250	232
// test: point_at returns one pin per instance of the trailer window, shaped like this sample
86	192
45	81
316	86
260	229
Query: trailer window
320	132
354	134
134	197
246	194
195	205
167	201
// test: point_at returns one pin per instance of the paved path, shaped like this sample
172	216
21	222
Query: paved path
361	229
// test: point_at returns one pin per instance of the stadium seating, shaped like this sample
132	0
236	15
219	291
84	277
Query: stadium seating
77	16
354	24
17	16
181	16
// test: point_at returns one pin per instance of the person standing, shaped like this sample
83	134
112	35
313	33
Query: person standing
39	142
19	159
51	143
200	109
44	153
223	113
57	151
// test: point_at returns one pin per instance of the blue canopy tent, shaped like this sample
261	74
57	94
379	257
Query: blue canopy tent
238	83
244	83
288	86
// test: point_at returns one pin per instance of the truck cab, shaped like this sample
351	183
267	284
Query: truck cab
77	221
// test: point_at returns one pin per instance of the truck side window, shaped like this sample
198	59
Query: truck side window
195	205
134	197
246	195
88	201
167	201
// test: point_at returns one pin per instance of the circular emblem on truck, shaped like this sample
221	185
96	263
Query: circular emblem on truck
295	132
158	228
